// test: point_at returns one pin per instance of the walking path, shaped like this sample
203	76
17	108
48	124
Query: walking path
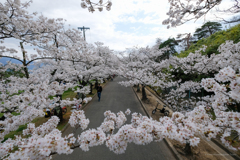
116	98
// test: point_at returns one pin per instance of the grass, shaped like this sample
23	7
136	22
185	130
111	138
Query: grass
14	133
234	142
13	113
69	94
40	120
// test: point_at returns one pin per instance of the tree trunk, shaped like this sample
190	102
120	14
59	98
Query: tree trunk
187	149
238	107
144	95
78	95
91	88
188	40
210	30
84	83
138	88
59	115
82	96
96	84
24	61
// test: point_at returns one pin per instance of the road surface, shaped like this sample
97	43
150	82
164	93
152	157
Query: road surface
116	98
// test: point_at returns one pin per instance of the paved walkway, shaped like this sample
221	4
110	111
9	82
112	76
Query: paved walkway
116	98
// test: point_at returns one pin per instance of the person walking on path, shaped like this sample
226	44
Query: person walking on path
99	91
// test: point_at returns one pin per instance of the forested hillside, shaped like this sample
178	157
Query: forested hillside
214	41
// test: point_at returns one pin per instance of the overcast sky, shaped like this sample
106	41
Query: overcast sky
129	23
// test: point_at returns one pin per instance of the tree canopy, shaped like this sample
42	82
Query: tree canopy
214	41
66	56
171	44
207	29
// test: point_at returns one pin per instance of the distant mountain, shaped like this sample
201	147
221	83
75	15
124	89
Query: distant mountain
4	60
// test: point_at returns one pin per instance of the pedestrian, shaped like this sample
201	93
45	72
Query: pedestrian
99	90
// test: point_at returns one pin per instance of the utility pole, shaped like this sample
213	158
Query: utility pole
83	29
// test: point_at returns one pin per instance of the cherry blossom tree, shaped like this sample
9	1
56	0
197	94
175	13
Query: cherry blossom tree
140	64
17	23
29	95
225	64
63	55
92	6
141	69
183	11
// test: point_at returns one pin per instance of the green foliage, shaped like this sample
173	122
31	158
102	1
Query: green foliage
13	113
207	29
171	43
70	93
179	74
40	120
214	41
17	132
11	72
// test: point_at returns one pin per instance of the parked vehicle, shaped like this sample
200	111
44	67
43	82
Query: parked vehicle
163	110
